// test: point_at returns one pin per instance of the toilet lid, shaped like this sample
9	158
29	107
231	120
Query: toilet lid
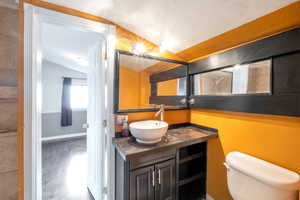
263	171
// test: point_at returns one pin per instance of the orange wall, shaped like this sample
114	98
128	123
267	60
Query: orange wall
134	89
167	88
145	89
272	138
129	88
172	117
139	86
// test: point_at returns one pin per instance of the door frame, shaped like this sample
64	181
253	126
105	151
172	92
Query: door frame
33	18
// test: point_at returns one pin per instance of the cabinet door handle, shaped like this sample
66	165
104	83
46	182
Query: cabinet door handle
153	178
159	176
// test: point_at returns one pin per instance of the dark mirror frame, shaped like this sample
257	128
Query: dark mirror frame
116	83
284	51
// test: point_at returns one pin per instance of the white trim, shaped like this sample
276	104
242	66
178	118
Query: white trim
178	86
208	197
110	112
79	109
32	187
62	137
58	112
33	18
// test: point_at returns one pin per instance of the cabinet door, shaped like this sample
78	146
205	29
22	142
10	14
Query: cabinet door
142	183
166	186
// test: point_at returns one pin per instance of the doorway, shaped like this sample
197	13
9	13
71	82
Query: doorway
68	112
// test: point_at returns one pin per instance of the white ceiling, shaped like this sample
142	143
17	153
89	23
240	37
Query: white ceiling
68	47
185	22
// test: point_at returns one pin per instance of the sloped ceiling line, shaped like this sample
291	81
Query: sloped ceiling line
197	22
185	22
125	38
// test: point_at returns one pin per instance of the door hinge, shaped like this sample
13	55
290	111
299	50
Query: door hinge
104	123
105	141
104	190
105	55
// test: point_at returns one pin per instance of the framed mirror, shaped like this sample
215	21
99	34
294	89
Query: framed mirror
142	82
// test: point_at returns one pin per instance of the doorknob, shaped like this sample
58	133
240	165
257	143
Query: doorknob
86	125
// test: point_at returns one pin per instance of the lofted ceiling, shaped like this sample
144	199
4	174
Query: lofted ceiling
67	47
183	23
70	48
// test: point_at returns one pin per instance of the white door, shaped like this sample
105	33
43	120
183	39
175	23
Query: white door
96	123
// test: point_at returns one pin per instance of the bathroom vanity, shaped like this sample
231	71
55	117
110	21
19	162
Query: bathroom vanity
173	170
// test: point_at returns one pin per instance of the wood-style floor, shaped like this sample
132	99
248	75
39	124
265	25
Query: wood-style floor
64	170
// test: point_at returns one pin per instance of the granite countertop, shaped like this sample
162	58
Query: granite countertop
177	137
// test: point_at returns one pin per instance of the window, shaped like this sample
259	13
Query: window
253	78
181	89
79	96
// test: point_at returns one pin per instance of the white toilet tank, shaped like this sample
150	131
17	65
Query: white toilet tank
250	178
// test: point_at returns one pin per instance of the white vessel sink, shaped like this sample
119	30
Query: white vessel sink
149	131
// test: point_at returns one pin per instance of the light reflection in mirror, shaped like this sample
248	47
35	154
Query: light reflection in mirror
253	78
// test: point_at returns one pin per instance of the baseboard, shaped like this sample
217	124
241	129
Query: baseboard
63	137
208	197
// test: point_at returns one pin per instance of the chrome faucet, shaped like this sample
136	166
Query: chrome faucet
161	112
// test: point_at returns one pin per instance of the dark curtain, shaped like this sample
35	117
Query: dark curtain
66	111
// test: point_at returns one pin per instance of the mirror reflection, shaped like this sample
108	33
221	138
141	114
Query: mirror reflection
174	87
134	81
251	78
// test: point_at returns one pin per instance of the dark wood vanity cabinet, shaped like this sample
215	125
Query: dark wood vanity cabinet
166	186
146	177
142	183
178	173
153	182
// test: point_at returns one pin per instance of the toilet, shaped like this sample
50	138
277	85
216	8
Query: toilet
250	178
